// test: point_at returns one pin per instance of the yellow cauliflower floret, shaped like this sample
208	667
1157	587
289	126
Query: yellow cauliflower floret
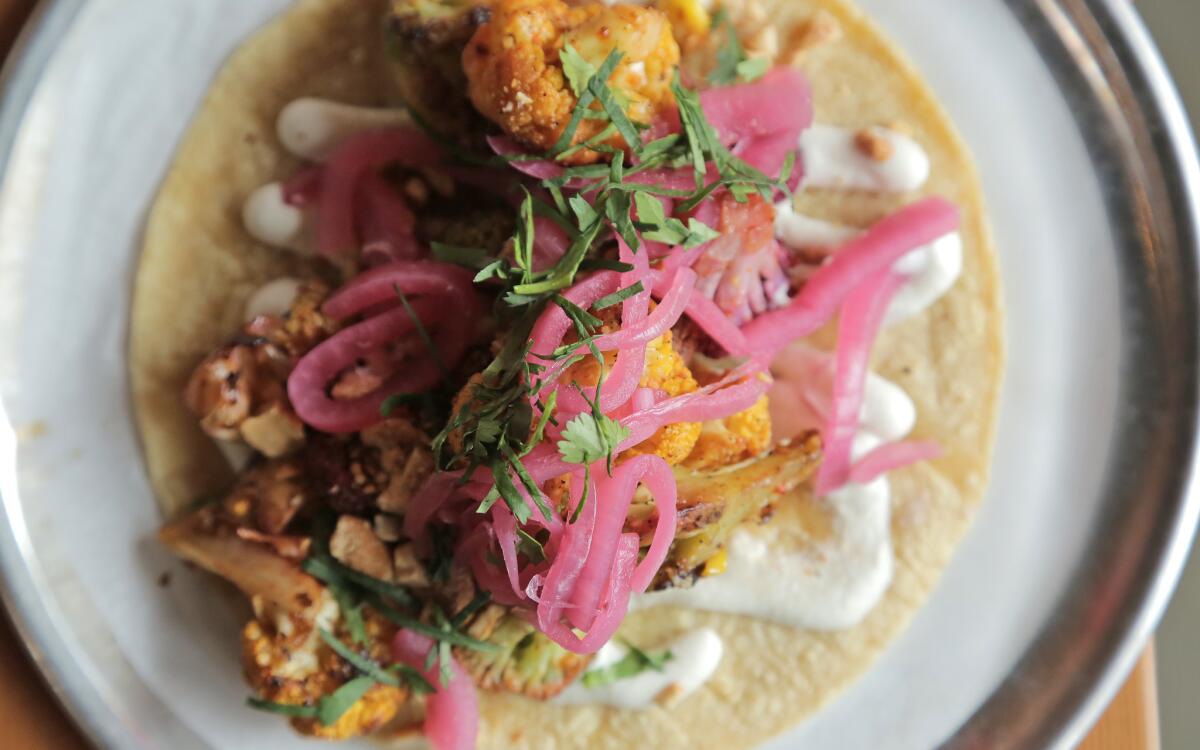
735	438
687	17
515	77
286	662
667	372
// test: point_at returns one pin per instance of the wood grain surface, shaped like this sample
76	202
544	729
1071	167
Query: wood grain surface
33	720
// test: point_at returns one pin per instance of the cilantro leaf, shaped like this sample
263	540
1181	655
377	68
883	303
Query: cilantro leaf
753	68
588	438
632	664
577	70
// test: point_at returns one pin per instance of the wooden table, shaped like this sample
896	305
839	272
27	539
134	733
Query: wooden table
32	720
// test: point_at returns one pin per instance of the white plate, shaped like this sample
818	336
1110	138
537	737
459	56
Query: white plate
92	118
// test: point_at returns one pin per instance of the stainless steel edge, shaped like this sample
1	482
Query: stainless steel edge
59	660
1140	137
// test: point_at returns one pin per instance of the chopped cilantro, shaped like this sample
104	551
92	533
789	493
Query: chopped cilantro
632	664
590	437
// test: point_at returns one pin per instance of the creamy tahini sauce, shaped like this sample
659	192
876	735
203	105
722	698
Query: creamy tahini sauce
931	269
273	298
311	128
694	657
774	574
832	159
272	221
807	233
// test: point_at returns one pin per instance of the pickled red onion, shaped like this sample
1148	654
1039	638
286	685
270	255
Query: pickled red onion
414	278
893	456
661	320
388	227
862	314
309	381
869	253
778	102
452	710
349	164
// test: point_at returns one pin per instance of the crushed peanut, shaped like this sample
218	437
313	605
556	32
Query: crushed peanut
355	545
874	145
821	29
670	695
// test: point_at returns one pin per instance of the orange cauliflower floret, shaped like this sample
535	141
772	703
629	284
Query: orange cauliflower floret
736	438
665	373
515	77
286	662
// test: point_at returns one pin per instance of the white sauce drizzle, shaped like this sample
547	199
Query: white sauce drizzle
273	298
932	269
311	128
806	233
832	160
826	586
271	220
694	657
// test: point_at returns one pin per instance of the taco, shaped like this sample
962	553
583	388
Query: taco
567	374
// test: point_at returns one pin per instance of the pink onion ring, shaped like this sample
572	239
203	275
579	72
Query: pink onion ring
452	711
346	167
862	315
893	456
414	278
867	254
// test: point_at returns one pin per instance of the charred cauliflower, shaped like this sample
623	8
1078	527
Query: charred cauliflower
286	662
516	79
713	503
528	663
423	44
733	439
239	392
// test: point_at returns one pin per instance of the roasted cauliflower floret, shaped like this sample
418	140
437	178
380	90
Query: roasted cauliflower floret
423	44
733	439
239	392
286	662
712	503
529	663
515	76
667	373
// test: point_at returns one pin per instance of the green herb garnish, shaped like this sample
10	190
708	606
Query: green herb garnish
632	664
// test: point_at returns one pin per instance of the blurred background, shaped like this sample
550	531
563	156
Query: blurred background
1174	24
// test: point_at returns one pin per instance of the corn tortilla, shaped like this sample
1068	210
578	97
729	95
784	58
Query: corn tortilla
199	266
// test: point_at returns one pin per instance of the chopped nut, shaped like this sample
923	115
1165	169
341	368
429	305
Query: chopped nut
822	28
409	570
416	189
763	43
388	528
403	484
354	544
753	13
670	695
291	547
275	432
873	144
